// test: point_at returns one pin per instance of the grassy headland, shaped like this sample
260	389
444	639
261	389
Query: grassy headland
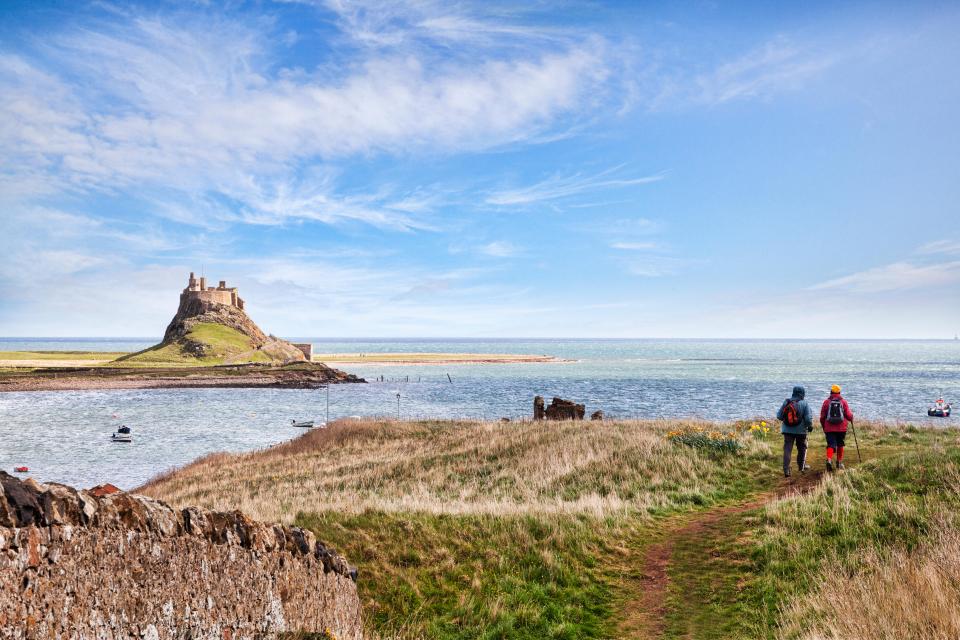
220	345
599	530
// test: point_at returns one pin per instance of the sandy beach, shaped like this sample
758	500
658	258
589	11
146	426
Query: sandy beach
394	359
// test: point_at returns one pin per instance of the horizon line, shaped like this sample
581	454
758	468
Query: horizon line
512	338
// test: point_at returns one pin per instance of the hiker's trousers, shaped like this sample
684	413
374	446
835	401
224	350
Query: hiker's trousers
788	440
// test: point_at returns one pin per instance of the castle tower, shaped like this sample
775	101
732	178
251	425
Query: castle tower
197	289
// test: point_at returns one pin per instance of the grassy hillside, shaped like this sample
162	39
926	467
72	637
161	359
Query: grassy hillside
591	530
221	345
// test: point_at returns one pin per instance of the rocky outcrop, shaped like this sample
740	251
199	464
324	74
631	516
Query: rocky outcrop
109	564
597	415
193	311
558	409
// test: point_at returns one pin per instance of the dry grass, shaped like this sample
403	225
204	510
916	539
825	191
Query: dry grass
459	468
871	553
894	596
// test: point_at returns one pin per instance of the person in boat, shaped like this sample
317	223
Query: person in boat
940	408
835	417
796	421
124	429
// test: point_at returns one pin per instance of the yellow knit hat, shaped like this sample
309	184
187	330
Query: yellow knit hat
835	389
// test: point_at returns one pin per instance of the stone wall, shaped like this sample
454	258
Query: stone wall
306	348
108	564
212	295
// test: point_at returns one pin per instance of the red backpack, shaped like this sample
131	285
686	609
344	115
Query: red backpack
791	416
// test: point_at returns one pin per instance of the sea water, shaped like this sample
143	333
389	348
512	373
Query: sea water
63	436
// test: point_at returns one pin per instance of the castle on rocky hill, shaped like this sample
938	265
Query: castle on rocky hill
221	294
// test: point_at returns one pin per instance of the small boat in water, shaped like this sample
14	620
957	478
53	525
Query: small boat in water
939	410
307	424
122	435
21	469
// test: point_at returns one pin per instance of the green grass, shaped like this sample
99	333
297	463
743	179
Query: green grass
889	503
222	343
523	576
61	355
446	576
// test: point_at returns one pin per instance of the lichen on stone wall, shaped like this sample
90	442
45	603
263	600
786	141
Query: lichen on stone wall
109	564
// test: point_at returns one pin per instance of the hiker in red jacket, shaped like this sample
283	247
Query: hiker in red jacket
835	415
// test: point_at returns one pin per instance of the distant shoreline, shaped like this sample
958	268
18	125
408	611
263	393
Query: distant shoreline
403	359
294	376
40	360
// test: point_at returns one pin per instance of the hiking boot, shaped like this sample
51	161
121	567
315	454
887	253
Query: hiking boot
804	468
840	466
829	465
786	473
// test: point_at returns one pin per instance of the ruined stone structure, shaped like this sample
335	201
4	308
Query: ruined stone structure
218	305
306	348
221	294
558	409
108	564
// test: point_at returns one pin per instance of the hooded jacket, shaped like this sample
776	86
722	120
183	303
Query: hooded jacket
825	409
806	416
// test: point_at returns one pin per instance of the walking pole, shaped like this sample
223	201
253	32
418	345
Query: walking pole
859	457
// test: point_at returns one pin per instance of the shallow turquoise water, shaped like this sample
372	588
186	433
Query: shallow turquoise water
62	436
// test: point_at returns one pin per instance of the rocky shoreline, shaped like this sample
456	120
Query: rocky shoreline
250	376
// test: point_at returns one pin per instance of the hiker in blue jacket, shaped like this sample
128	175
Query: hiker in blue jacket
796	421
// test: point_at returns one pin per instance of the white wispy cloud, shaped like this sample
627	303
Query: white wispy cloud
500	249
898	276
563	186
941	246
199	108
636	246
396	23
778	65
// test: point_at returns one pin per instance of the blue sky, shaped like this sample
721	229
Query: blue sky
698	169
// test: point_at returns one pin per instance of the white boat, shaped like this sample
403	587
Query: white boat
307	424
121	437
939	410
